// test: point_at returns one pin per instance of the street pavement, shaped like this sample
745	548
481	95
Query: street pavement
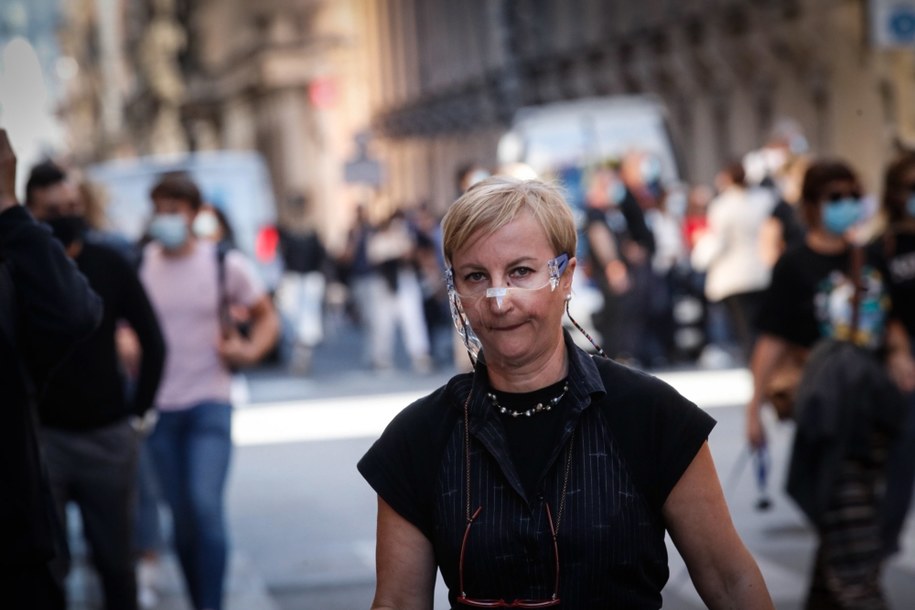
302	519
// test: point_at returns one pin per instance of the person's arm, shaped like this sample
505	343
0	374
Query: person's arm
237	351
899	359
604	244
142	319
767	352
771	240
58	306
243	287
404	564
723	571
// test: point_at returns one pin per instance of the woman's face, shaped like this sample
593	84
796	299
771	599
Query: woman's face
840	205
527	325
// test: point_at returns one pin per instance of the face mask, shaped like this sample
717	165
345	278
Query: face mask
617	192
170	230
910	206
206	225
840	216
68	229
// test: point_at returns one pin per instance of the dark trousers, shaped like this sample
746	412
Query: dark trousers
743	310
847	568
96	469
900	477
31	588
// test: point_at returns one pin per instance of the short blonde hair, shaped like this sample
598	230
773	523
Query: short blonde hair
493	203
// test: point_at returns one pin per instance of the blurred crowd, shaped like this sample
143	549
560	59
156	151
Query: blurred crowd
670	274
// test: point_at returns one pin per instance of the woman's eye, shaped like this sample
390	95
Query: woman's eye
521	272
476	276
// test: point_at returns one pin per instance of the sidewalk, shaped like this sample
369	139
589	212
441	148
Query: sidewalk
245	589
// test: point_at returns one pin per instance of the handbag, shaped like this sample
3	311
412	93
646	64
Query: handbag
781	389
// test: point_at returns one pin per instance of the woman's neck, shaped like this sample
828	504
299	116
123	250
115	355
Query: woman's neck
183	251
536	375
822	241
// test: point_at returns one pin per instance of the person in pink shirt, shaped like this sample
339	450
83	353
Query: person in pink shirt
193	285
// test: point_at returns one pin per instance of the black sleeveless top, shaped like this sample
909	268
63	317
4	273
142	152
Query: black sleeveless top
634	436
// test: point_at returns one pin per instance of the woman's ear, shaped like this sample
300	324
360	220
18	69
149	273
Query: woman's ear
569	274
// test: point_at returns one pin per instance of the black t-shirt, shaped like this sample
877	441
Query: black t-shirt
628	438
89	389
792	228
809	297
527	436
900	274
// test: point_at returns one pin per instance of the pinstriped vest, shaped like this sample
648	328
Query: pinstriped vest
611	543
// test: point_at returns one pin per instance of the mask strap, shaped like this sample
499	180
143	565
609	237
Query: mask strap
470	340
599	349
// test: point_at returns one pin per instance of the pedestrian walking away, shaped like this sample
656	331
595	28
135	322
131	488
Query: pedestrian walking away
546	477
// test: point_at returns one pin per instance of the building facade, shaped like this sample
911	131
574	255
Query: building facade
426	86
451	75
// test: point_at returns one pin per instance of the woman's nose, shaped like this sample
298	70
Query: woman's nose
497	295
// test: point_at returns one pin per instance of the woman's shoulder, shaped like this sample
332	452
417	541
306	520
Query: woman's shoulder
630	384
428	413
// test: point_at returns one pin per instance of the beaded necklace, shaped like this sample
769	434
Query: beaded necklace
540	406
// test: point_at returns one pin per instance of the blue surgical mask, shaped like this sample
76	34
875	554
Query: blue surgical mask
170	230
617	192
840	216
910	205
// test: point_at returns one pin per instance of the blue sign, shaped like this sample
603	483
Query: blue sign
901	24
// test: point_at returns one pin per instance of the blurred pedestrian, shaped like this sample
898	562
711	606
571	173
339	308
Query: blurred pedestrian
667	266
778	166
46	308
192	285
605	261
396	296
430	266
736	274
897	246
818	290
90	427
544	461
359	275
640	173
301	291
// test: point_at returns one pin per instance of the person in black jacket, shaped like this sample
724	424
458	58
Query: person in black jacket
89	429
46	307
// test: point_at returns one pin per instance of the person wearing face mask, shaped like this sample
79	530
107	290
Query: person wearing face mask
89	426
897	246
193	288
812	297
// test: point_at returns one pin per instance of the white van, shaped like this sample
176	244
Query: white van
579	133
236	182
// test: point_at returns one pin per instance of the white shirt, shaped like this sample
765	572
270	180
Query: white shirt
730	250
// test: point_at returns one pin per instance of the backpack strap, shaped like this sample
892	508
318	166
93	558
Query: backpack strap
225	318
857	263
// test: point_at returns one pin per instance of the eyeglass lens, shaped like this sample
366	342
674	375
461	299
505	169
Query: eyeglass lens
516	603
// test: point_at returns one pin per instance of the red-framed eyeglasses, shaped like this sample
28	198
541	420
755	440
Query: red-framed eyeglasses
516	603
